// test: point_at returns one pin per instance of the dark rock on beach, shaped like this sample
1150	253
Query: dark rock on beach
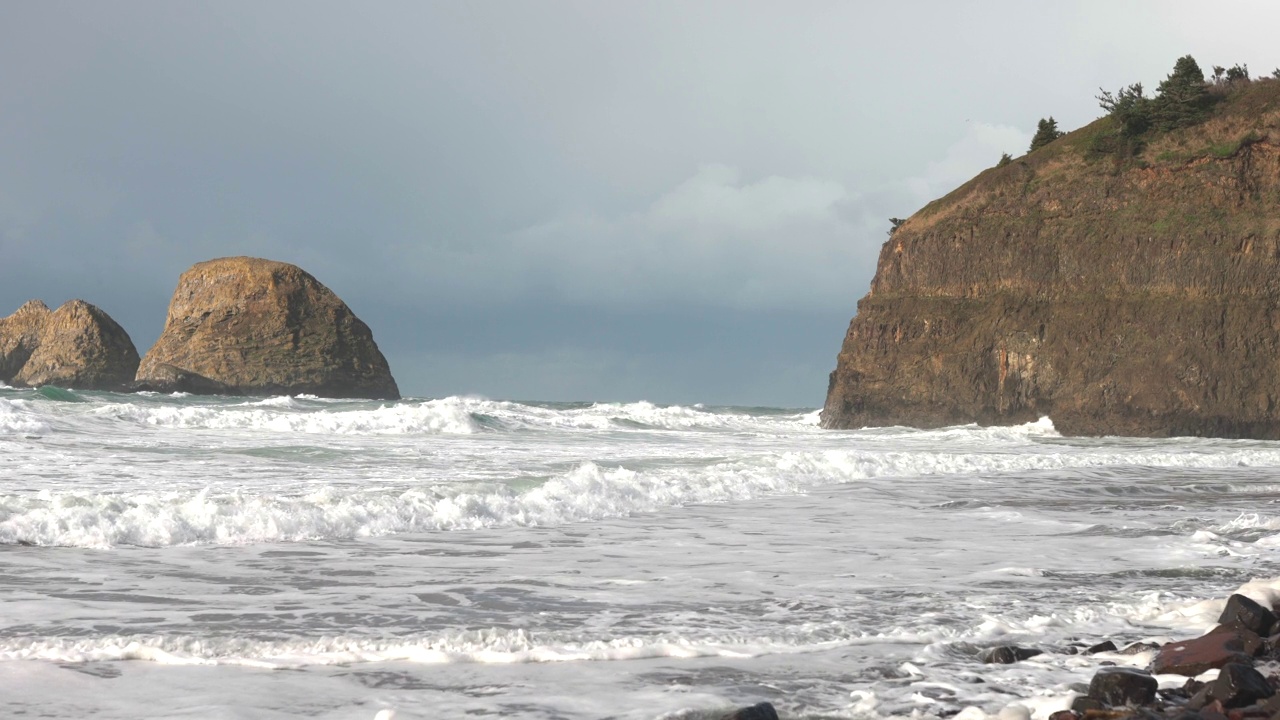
1249	614
1113	687
1238	685
76	346
759	711
249	326
1007	654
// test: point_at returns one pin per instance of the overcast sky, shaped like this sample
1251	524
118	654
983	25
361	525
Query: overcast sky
673	201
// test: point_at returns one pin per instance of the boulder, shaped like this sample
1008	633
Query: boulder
1007	654
77	346
1249	614
1237	685
759	711
249	326
1118	686
1225	644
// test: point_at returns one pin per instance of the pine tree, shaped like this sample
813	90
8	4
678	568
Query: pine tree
1182	99
1046	132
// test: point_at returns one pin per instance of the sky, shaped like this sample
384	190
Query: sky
679	202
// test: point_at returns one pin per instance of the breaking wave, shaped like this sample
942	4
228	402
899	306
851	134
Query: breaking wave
588	491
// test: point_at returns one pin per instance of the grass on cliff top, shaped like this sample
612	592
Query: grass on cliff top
1248	114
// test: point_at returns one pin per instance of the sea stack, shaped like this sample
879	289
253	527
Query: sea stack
1120	285
76	346
248	326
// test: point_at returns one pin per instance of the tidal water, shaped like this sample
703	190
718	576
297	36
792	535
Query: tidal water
167	556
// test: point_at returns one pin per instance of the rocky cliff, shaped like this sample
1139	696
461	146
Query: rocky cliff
1116	295
248	326
75	346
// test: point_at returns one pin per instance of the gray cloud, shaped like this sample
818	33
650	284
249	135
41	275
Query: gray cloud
676	167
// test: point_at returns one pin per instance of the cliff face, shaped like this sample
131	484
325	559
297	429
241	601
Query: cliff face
1130	297
257	327
76	346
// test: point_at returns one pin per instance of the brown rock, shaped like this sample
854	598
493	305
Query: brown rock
1223	645
76	346
258	327
1117	297
1250	643
19	337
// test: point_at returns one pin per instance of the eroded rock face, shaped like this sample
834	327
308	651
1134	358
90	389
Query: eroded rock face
76	346
249	326
1136	299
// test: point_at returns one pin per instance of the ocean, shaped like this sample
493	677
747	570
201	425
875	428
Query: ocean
297	557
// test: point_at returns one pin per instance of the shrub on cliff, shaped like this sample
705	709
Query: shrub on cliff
1130	107
1005	159
1226	77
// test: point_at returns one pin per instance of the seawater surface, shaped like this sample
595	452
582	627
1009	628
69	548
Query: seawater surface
290	557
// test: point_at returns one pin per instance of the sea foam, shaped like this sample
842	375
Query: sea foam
17	418
588	491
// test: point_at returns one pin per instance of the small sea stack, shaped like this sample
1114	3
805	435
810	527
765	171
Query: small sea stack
248	326
76	346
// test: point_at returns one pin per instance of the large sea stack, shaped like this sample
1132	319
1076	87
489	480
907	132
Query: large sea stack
247	326
76	346
1119	286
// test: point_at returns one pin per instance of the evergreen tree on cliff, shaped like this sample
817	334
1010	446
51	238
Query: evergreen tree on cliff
1046	132
1183	98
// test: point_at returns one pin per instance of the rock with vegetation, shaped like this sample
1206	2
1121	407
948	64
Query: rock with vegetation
1121	280
76	346
249	326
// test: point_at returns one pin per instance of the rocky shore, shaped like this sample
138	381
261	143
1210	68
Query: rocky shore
1231	672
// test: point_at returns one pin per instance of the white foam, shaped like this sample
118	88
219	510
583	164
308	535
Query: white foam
283	414
17	418
589	491
492	646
